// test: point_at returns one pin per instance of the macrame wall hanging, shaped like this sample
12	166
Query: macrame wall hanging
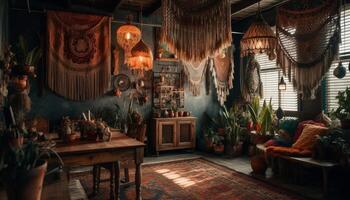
189	31
222	68
308	34
195	71
251	84
79	54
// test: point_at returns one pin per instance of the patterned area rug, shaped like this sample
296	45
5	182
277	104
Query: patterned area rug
192	179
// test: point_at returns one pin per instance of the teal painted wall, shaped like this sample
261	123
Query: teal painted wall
48	104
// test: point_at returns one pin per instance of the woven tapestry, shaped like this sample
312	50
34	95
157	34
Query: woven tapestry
195	72
308	41
222	68
251	84
196	29
79	54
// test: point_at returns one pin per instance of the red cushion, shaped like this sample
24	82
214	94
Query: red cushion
301	127
271	142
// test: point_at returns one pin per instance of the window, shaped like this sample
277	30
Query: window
332	84
270	77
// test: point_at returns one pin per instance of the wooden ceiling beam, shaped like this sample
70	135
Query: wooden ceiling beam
156	5
241	5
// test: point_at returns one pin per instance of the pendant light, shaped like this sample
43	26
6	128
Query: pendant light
128	36
141	58
259	38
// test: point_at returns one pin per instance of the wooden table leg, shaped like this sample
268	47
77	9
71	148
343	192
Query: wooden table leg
94	179
112	182
117	179
126	175
138	177
138	173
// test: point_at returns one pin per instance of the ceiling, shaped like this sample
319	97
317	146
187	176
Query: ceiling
240	8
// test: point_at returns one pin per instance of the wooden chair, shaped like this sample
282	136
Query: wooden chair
114	168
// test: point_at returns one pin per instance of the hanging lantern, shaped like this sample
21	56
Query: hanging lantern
282	85
259	38
339	71
128	36
141	57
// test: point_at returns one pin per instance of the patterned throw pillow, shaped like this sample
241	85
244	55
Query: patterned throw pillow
307	139
301	127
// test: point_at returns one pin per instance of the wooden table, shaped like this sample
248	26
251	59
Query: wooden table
120	148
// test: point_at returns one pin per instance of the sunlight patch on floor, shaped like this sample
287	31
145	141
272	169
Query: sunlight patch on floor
176	178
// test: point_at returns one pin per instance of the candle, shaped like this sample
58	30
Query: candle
12	116
84	116
89	115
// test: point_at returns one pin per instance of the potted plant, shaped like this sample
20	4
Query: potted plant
233	143
343	110
332	147
263	120
218	144
209	134
23	167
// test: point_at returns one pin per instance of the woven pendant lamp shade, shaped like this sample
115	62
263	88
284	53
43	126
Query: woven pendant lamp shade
259	38
128	36
141	57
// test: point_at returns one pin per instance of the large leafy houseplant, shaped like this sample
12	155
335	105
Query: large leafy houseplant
232	128
261	116
233	131
343	110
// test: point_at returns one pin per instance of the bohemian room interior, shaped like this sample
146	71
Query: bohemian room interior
174	99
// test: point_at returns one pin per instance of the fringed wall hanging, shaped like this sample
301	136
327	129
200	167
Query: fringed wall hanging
308	34
195	72
251	84
222	67
190	33
79	54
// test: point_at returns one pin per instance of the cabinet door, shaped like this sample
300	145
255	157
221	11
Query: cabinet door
186	133
167	135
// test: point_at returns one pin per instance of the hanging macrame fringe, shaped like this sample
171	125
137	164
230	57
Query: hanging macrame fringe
222	88
190	33
308	42
195	74
307	80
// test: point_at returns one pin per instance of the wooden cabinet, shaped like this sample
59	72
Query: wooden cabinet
173	133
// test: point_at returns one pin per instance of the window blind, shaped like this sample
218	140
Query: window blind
270	77
333	84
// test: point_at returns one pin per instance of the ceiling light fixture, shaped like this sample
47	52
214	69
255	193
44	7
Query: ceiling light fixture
259	38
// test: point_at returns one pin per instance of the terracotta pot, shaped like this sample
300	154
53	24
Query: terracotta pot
208	144
71	137
31	187
156	115
258	164
234	150
221	131
176	114
16	142
219	148
345	123
181	113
